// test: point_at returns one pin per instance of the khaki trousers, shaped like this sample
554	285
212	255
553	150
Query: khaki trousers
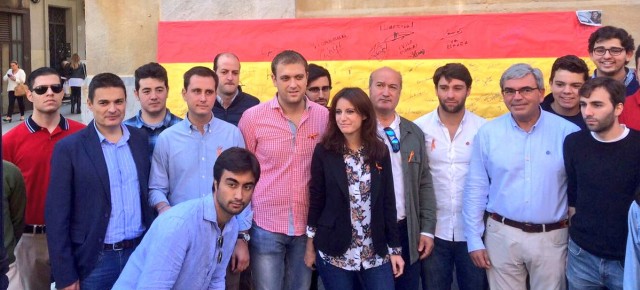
514	254
32	260
14	278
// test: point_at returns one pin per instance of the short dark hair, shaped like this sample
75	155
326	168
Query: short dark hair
236	160
151	70
215	59
570	63
199	71
453	71
615	88
610	32
316	72
105	80
43	71
288	57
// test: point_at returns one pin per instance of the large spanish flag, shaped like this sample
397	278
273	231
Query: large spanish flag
350	48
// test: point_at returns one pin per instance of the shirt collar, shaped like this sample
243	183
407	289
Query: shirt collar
33	127
538	122
395	125
219	98
165	122
191	127
274	104
627	79
125	134
438	121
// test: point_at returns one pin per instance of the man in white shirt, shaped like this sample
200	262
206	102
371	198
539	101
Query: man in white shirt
448	132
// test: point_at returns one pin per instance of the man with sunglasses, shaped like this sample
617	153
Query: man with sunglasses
231	101
611	49
517	175
415	199
190	246
29	146
319	87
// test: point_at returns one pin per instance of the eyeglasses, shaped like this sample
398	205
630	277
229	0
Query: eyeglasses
317	89
525	92
393	140
613	51
41	90
219	243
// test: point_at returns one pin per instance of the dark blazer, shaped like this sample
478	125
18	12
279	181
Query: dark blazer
329	209
78	203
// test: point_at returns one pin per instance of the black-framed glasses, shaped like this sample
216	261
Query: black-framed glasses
393	139
317	89
600	51
41	90
525	92
219	243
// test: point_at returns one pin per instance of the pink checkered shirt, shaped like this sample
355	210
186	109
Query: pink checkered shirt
285	161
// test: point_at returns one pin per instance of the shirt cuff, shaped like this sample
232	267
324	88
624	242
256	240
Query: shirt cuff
428	235
156	197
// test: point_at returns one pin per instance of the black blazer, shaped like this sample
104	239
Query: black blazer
329	209
78	203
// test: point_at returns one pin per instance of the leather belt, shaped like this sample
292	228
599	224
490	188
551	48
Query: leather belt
528	227
125	244
35	229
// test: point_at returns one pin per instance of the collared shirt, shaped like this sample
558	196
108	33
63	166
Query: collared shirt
182	163
282	195
396	167
153	130
30	147
630	81
125	221
517	174
449	165
219	98
631	113
181	250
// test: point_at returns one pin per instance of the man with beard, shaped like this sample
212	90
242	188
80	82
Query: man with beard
448	132
319	87
189	247
568	74
602	170
231	101
611	49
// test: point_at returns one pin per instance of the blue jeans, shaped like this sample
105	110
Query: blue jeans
410	278
334	278
107	269
438	268
632	256
588	272
277	261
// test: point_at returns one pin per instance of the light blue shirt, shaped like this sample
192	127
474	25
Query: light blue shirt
180	250
125	221
183	159
519	175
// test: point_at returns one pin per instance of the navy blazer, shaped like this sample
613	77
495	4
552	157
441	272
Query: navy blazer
78	203
329	208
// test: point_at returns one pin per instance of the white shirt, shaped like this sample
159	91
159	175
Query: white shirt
449	164
396	167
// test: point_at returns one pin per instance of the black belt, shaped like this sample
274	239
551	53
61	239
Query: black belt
125	244
35	229
530	228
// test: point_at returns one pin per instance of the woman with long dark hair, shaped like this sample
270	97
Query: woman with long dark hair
352	229
14	76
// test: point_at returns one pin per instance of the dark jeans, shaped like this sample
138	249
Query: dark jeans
410	278
76	94
107	269
335	278
12	100
438	268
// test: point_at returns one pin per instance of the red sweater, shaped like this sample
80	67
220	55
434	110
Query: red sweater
29	147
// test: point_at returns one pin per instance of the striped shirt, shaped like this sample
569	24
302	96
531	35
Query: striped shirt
281	199
125	222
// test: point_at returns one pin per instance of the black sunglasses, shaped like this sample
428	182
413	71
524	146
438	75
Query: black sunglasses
393	140
41	90
219	244
317	89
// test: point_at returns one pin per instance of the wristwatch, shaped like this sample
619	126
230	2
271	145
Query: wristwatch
244	236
